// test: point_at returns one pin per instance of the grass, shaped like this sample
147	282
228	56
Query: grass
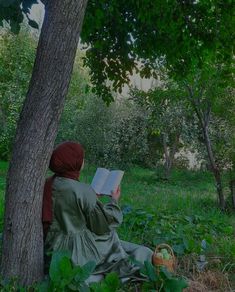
182	213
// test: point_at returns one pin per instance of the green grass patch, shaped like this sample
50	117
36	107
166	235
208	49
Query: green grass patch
182	212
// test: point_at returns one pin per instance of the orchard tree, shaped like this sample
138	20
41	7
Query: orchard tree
118	34
205	88
166	120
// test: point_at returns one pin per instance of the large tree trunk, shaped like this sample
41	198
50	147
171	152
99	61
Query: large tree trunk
22	253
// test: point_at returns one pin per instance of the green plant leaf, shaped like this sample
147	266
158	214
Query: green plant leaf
179	248
43	286
55	271
165	272
81	274
150	271
175	285
66	269
112	281
33	24
6	3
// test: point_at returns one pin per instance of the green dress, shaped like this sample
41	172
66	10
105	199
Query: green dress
87	228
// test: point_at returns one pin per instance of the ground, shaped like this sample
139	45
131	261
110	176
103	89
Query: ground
182	212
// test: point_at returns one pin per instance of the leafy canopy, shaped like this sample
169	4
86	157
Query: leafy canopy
13	12
123	37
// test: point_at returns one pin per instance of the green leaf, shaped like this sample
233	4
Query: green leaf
55	271
7	3
43	286
175	285
165	272
33	24
81	274
83	287
179	248
112	281
150	271
15	26
66	269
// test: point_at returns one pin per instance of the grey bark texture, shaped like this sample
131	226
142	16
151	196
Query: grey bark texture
22	254
204	120
232	188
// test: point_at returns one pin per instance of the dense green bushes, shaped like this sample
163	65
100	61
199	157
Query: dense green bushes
16	58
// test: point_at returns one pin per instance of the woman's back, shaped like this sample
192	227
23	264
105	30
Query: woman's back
69	204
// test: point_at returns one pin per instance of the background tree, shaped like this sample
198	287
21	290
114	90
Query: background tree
204	88
17	53
167	120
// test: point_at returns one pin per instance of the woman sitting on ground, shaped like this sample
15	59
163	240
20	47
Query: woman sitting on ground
74	219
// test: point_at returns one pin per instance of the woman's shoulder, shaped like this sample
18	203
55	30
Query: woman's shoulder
62	182
81	188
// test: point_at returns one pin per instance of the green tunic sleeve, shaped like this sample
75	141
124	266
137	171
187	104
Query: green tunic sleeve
100	218
103	218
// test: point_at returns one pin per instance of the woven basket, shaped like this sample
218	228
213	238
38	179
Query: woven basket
169	264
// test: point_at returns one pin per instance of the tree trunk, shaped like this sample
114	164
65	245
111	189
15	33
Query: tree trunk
232	188
22	254
167	164
214	168
169	154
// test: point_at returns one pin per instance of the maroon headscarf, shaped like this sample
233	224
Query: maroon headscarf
66	161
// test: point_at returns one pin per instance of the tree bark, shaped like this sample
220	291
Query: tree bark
167	164
232	188
169	154
204	120
22	254
214	168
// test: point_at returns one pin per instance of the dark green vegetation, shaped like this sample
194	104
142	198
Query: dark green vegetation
186	45
123	36
182	213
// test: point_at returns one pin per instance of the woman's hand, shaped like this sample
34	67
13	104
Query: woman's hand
116	194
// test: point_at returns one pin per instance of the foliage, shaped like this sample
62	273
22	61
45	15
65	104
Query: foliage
127	36
167	120
162	279
64	277
182	212
13	12
17	53
109	284
123	36
112	136
184	233
16	57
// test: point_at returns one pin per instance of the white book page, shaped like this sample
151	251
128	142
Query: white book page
99	179
112	182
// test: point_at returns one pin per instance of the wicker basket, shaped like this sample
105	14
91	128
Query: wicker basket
169	264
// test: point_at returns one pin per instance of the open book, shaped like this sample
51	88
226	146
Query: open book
106	181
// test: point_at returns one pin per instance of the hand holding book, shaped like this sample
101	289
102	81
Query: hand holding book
106	182
116	194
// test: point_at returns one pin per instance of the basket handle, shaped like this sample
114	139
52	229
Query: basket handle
162	245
